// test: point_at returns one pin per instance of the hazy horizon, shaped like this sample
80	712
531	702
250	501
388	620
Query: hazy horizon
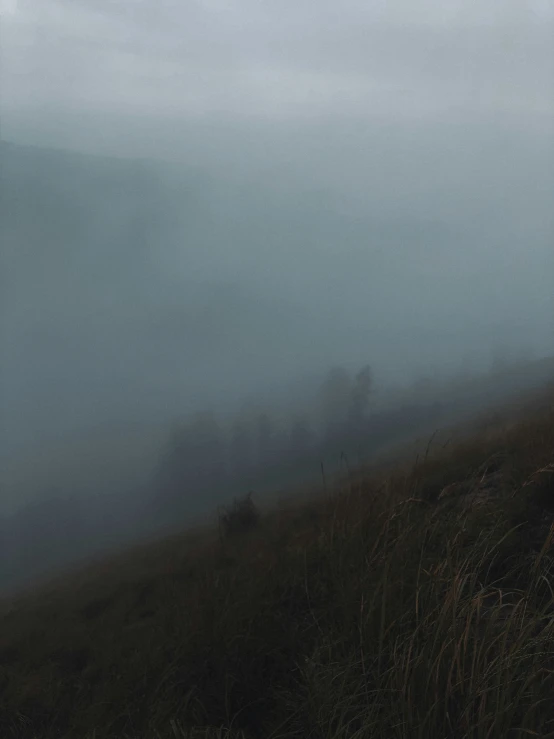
224	198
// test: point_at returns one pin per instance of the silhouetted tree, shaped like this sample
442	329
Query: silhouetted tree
360	398
173	469
209	451
334	401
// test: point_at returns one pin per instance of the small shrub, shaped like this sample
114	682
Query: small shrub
241	516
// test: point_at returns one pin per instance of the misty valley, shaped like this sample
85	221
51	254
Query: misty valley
127	318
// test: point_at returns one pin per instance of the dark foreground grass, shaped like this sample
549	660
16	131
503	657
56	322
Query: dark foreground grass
414	603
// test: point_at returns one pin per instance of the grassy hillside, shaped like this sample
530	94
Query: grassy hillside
414	601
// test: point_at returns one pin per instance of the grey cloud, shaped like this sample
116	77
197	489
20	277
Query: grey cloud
281	60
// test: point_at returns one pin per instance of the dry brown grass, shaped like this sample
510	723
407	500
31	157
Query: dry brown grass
415	601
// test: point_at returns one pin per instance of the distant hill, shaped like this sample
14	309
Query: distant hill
116	299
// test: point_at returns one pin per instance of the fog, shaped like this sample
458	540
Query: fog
206	206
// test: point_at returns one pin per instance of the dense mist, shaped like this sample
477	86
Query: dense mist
211	212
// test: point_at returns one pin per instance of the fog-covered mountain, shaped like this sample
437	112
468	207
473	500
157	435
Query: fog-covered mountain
135	291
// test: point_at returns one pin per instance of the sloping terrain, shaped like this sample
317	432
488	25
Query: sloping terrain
416	600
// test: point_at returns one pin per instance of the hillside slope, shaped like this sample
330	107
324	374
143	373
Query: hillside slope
414	601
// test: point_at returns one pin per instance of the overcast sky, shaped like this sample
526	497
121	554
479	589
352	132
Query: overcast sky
287	61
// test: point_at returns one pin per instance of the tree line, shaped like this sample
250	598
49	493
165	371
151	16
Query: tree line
205	456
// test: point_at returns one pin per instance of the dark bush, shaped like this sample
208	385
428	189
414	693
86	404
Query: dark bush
239	517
